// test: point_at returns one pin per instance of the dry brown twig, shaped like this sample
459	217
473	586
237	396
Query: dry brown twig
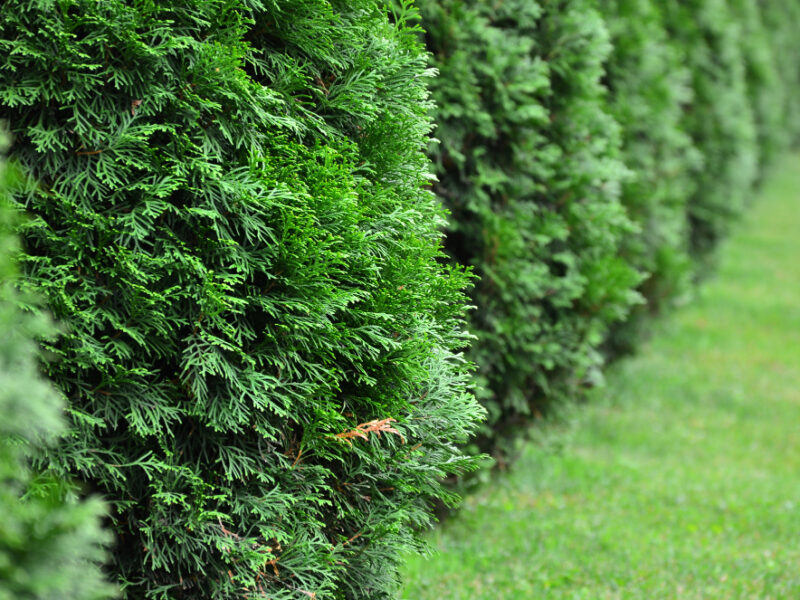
377	427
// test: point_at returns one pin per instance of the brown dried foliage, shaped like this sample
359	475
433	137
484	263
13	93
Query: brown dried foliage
364	429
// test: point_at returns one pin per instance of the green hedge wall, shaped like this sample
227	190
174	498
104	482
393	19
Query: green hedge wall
262	356
540	104
765	91
49	547
780	19
648	88
720	117
530	166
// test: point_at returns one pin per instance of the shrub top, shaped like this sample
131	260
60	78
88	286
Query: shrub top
45	539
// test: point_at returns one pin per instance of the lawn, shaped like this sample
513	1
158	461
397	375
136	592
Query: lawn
680	479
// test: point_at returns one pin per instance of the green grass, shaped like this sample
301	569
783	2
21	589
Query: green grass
681	479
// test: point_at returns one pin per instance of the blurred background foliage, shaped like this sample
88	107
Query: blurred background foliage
592	155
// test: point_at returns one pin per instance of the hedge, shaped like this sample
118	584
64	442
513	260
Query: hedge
530	167
46	541
648	89
765	91
263	349
540	104
780	19
720	117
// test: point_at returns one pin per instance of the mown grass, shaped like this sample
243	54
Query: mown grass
681	479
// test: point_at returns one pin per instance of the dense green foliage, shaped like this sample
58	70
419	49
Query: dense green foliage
648	87
592	154
49	547
718	80
719	117
264	340
529	164
765	90
679	479
262	348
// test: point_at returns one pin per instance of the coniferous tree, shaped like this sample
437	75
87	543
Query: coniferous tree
229	214
780	18
529	164
50	547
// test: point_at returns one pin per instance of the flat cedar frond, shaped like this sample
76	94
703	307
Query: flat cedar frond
377	426
231	216
528	214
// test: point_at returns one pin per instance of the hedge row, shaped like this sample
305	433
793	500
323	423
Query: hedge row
263	334
592	154
719	117
530	167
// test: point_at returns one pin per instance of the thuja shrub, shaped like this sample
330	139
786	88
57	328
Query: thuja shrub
230	216
719	117
529	166
50	547
648	89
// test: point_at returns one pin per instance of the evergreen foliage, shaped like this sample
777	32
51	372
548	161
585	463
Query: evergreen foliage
719	117
49	547
780	19
529	164
229	214
765	90
648	88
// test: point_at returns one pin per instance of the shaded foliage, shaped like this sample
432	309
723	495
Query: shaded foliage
649	87
780	19
719	117
765	90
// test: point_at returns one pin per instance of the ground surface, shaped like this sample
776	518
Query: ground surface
680	480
